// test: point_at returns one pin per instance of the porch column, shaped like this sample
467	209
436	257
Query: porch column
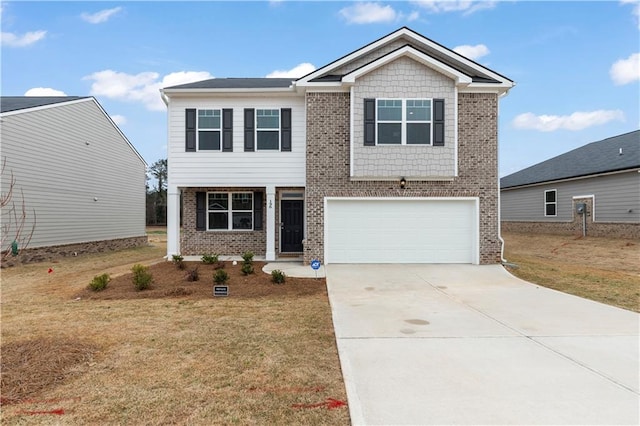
173	221
271	223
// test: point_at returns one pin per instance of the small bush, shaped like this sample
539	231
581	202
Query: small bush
179	261
192	275
247	268
142	278
277	276
99	282
247	257
221	277
209	259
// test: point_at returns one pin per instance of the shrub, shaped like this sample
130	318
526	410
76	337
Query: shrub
247	268
277	276
221	277
192	275
142	278
99	282
209	259
247	257
179	261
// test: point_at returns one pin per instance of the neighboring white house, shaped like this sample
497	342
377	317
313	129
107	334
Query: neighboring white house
80	179
592	190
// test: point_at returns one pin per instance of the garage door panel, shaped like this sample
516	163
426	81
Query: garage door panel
400	231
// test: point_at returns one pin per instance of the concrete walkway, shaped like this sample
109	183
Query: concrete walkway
464	344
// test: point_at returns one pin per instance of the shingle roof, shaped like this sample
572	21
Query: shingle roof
237	83
14	103
620	152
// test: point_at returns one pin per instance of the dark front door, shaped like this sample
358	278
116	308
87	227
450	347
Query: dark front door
292	226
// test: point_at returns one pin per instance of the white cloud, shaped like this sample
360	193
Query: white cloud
295	72
636	9
576	121
100	17
472	52
14	40
143	87
467	7
119	119
368	13
626	71
44	91
413	16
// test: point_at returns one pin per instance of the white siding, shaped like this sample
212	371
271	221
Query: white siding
60	174
617	199
237	168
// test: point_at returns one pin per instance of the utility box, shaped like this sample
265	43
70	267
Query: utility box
581	208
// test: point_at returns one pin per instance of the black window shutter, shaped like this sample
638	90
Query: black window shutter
285	128
369	122
227	130
438	122
190	130
258	208
249	134
201	211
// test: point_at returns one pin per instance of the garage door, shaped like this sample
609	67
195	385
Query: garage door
392	230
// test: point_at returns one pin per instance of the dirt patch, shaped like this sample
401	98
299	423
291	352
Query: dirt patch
171	282
30	367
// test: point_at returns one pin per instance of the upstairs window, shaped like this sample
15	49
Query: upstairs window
550	202
209	129
268	129
403	121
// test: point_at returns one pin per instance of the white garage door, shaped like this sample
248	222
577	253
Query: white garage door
414	230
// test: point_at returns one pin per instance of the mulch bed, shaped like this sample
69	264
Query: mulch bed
171	282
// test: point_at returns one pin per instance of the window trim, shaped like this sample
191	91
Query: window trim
230	211
403	122
279	129
549	203
198	130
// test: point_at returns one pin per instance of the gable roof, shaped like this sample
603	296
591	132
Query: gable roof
613	154
15	103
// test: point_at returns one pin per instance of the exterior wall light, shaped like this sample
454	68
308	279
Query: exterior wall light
403	182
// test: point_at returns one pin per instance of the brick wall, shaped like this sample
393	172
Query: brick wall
226	243
328	118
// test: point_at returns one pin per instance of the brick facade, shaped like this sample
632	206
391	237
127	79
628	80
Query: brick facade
328	123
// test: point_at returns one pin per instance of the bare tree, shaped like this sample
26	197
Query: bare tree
15	233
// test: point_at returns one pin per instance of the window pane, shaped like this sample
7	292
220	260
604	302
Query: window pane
268	140
218	201
550	196
219	220
209	119
209	141
418	110
241	201
389	133
242	221
389	110
268	119
550	209
418	133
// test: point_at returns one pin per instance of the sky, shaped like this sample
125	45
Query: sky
576	64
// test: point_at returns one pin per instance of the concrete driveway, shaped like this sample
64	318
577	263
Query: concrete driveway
465	344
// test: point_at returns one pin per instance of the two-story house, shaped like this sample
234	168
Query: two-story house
386	155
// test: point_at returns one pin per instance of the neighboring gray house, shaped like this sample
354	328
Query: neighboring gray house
76	172
602	177
386	155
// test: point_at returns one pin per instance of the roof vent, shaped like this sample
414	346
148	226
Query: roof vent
620	152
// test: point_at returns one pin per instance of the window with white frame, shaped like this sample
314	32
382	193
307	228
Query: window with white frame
403	121
268	129
209	129
551	202
230	210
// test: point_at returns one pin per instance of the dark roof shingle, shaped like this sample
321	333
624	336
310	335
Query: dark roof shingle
237	83
14	103
616	153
